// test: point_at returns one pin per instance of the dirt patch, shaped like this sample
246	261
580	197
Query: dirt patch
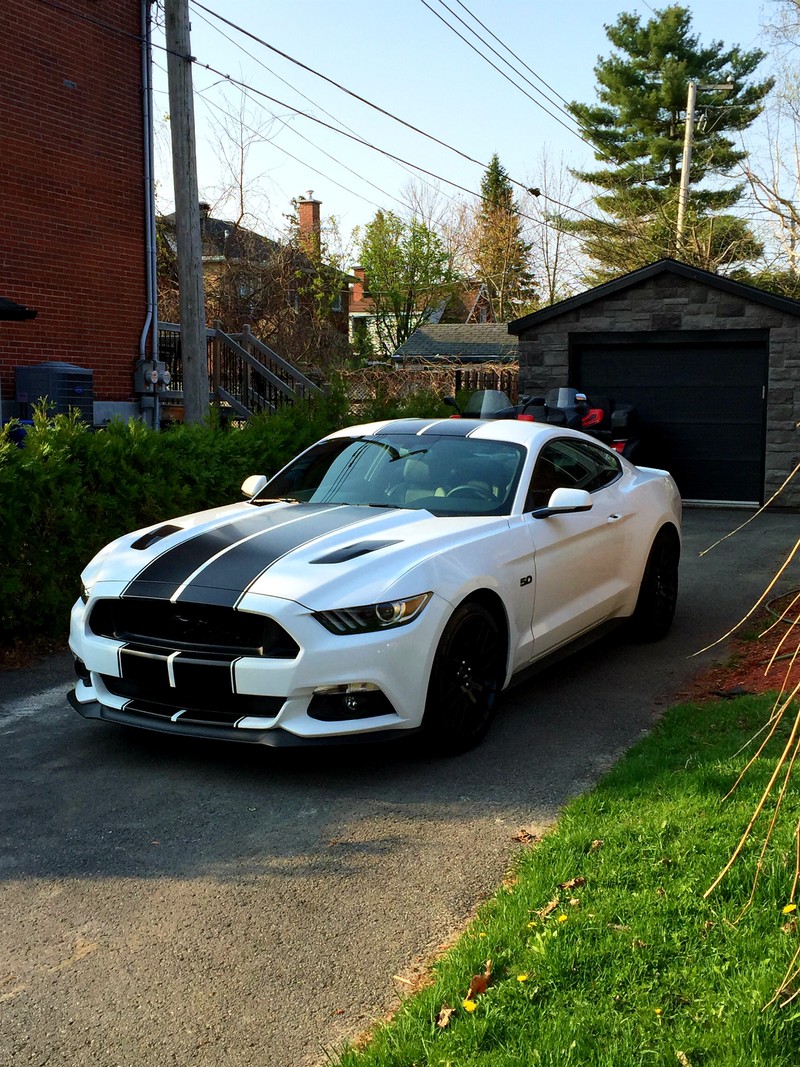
750	667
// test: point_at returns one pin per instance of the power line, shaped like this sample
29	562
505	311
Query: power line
514	54
314	103
375	148
302	162
352	136
503	74
355	96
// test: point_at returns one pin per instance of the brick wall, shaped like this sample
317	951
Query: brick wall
667	302
72	242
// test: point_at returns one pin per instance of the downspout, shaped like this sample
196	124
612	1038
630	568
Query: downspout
151	318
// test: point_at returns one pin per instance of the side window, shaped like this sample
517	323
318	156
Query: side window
571	465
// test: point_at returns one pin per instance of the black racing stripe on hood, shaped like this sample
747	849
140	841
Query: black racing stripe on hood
164	576
226	579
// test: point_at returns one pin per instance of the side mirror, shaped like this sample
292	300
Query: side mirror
450	401
564	502
253	485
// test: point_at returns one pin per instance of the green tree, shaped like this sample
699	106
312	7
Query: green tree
502	256
637	130
408	274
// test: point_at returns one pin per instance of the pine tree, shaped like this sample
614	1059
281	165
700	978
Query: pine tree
502	256
637	130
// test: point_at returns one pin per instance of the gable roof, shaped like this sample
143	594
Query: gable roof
653	270
459	343
10	310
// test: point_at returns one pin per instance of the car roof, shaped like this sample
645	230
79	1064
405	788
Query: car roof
515	431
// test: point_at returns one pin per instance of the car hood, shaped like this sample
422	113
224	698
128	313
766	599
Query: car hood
309	553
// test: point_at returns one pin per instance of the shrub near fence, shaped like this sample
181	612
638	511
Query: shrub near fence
69	491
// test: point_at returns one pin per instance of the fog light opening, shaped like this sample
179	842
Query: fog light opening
354	700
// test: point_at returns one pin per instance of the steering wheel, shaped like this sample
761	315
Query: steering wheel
477	492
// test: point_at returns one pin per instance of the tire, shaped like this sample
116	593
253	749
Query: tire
466	678
658	593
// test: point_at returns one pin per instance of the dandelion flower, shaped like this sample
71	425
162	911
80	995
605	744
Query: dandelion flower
658	1010
468	1005
789	908
562	918
522	977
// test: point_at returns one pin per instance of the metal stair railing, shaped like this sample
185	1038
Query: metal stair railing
245	375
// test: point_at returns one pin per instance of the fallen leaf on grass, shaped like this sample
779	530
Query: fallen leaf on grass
444	1016
480	982
573	883
548	908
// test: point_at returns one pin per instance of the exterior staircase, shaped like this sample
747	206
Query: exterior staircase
245	376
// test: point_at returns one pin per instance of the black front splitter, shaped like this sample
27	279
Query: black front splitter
273	738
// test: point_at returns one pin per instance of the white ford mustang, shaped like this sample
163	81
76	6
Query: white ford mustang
394	576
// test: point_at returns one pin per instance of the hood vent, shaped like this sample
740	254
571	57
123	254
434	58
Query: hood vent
361	548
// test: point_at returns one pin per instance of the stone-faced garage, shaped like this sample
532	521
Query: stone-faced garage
710	364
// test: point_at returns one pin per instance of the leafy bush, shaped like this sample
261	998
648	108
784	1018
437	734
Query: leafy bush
69	490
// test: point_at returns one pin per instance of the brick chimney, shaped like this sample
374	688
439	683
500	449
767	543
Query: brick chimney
358	287
309	220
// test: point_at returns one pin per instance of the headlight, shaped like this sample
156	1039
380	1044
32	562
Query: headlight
372	617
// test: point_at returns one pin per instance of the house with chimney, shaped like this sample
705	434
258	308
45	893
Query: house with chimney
250	278
469	304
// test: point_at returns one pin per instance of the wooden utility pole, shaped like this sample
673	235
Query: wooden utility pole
187	212
688	138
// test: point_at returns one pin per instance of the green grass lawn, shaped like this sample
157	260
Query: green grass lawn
602	947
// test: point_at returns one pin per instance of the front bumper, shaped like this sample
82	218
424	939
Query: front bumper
272	737
262	700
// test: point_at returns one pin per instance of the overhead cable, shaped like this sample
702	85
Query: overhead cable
355	96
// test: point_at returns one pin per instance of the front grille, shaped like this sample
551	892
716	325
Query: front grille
194	702
198	627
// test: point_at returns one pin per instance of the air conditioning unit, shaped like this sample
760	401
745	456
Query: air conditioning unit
63	384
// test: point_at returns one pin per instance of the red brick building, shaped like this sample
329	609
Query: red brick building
72	190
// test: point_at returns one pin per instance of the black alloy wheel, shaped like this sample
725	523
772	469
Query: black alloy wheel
658	593
466	679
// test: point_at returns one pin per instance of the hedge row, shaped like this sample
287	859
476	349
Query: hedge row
69	490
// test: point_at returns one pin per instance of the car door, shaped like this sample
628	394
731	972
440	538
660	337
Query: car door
579	558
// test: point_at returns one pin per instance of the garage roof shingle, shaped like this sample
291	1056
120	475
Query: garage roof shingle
459	343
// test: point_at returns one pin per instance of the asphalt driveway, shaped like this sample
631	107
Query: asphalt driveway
172	903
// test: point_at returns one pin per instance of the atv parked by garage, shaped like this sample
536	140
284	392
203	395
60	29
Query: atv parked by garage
614	424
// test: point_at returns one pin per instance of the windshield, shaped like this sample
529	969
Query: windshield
444	475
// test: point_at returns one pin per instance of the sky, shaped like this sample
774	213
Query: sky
398	55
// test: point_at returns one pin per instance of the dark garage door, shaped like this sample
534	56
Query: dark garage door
700	399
